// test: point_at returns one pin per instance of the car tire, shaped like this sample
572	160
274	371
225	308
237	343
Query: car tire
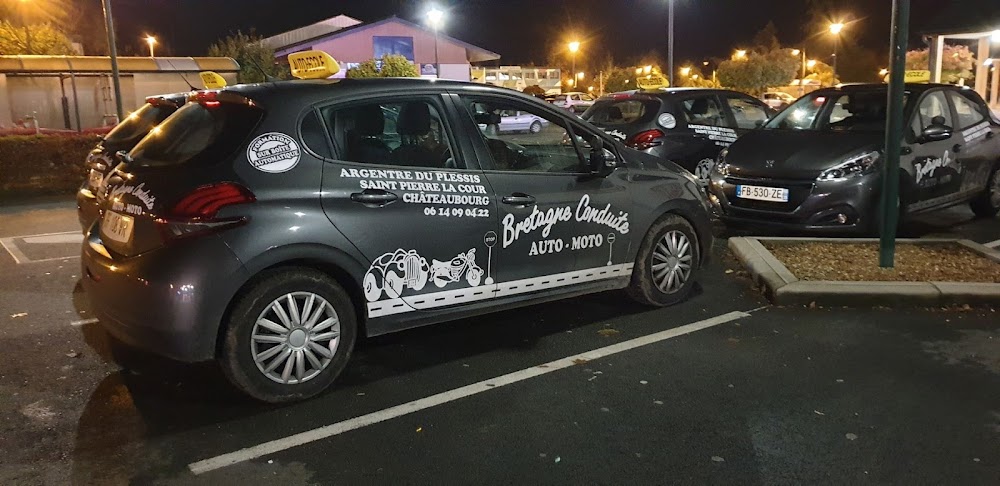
662	252
535	127
987	204
312	370
703	170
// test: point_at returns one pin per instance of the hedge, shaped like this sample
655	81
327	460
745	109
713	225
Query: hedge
33	165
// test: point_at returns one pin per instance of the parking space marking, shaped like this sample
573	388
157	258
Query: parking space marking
331	430
992	244
83	322
63	237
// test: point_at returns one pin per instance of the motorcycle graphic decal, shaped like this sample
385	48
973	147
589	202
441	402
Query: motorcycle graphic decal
445	273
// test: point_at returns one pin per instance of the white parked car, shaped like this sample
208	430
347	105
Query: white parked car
574	101
777	100
520	121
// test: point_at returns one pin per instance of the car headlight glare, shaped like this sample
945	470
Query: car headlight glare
852	167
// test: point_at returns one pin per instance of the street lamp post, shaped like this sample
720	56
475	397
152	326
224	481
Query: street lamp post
670	41
151	41
802	79
835	30
109	23
435	17
573	47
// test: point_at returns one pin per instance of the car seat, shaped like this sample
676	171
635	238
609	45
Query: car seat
419	148
364	142
702	112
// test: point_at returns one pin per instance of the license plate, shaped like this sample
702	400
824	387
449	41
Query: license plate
773	194
117	227
96	178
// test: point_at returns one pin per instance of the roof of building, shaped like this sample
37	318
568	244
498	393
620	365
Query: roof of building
473	53
102	64
311	31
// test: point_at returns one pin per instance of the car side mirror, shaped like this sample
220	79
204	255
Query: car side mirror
935	132
602	161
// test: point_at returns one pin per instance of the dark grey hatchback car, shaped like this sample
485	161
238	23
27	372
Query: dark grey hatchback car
268	225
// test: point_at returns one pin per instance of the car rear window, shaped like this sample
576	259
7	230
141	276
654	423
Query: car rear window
197	134
561	98
137	125
622	112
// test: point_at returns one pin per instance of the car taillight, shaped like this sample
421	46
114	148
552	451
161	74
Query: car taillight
196	212
645	140
214	98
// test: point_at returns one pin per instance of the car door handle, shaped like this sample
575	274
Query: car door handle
518	199
374	196
957	148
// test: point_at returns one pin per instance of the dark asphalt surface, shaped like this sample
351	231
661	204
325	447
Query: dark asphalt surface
786	395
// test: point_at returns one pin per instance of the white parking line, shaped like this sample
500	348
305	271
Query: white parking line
63	237
992	244
331	430
83	322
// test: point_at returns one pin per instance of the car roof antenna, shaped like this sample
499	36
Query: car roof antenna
187	82
267	77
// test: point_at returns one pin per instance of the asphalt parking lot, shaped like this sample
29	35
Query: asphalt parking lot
596	390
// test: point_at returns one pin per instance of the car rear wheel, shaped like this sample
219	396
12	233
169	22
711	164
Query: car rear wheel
987	204
535	127
703	170
289	336
667	263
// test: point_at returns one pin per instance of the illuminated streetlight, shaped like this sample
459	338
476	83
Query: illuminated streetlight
435	19
988	62
741	54
685	71
152	42
835	30
573	47
638	70
811	63
796	52
995	36
579	75
704	63
695	77
882	72
647	69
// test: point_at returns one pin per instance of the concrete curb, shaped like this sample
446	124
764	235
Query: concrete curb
783	288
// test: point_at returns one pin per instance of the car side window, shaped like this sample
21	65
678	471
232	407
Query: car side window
748	114
704	110
313	136
401	132
969	113
536	141
933	106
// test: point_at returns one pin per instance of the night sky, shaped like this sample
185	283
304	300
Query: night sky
525	31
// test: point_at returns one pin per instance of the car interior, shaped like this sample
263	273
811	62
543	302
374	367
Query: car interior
406	134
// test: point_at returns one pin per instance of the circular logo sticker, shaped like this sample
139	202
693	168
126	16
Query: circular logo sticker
666	120
273	152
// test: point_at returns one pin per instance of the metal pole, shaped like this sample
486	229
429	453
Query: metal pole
670	42
836	40
893	133
110	26
802	80
76	101
574	70
437	67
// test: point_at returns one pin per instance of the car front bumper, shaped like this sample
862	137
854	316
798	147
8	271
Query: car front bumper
847	206
170	301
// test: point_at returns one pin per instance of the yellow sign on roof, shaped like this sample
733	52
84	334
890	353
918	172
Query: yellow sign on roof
917	76
212	80
312	65
651	81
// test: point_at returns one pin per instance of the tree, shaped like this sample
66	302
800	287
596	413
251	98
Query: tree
533	90
755	72
252	55
389	66
619	79
822	73
42	39
766	40
956	62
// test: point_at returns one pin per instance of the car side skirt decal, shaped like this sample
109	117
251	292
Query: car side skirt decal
433	300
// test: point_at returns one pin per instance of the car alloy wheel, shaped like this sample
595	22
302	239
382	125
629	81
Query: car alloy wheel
672	259
703	170
295	337
987	203
994	190
535	127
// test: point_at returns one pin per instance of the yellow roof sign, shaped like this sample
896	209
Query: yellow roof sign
212	80
651	81
312	65
917	76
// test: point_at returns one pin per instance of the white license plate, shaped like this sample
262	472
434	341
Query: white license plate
96	178
773	194
117	227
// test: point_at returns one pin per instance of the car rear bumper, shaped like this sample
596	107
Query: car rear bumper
170	301
840	207
87	207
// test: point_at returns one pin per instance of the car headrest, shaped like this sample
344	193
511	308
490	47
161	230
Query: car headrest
615	113
369	120
414	119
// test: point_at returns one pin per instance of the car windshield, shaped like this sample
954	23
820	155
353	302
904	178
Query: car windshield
856	111
196	133
622	112
137	125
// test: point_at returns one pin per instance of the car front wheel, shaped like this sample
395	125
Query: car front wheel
667	263
535	127
288	336
987	204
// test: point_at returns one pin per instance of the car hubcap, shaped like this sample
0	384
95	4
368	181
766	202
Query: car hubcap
295	337
672	260
995	190
703	170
